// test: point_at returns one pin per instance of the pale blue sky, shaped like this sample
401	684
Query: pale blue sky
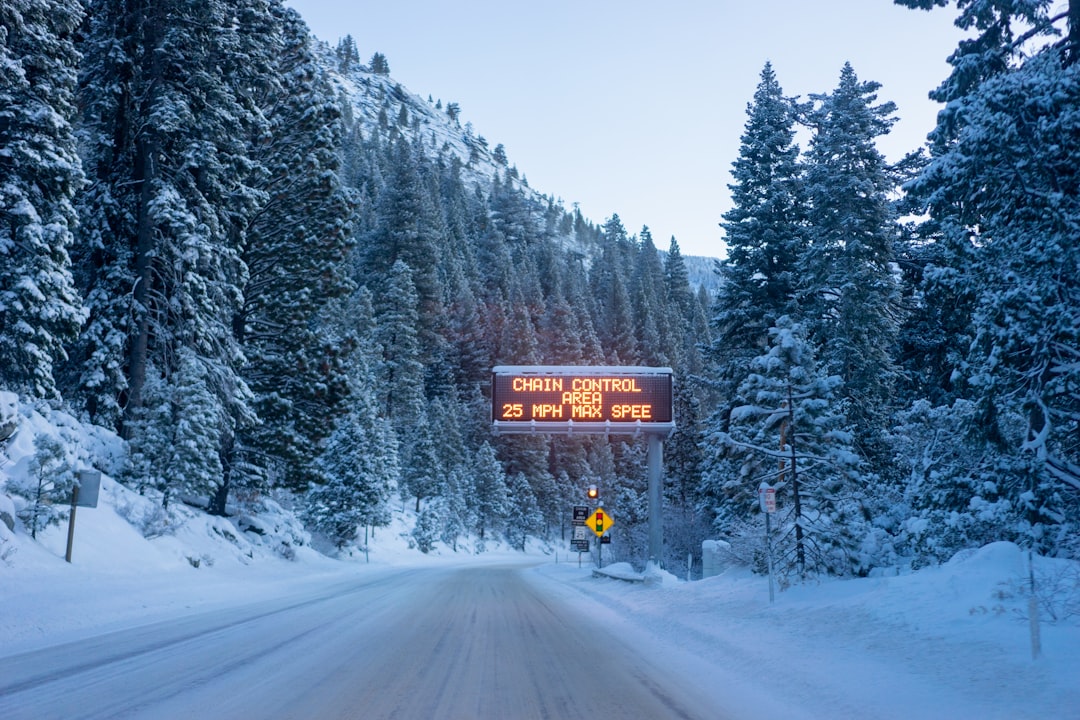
635	107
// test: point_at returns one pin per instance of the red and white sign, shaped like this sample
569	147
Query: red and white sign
767	498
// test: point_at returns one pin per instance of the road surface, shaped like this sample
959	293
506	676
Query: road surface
418	644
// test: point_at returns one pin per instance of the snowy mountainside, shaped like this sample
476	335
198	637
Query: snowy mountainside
438	127
376	98
701	272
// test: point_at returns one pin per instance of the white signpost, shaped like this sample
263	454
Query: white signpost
767	499
83	494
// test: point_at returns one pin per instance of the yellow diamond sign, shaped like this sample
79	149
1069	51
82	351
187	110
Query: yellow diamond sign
600	522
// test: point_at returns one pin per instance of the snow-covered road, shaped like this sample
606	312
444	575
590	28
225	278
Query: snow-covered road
474	642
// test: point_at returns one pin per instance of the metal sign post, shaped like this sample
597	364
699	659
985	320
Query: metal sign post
83	494
654	460
767	499
580	541
600	522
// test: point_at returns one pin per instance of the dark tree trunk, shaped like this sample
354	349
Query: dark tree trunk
1074	31
144	175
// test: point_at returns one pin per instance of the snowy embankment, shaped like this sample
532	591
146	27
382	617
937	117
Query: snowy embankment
945	642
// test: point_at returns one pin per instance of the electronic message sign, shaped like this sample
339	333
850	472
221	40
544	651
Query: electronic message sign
588	399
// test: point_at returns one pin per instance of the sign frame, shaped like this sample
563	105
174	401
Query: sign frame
607	426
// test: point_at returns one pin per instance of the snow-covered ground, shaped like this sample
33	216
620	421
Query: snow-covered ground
947	642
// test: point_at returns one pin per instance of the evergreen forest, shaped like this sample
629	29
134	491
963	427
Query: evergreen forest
274	272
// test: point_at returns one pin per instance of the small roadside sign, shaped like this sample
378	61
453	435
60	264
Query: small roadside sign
600	522
581	512
767	498
89	486
581	545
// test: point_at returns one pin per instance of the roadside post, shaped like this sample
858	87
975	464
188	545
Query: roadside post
767	499
580	541
83	494
600	522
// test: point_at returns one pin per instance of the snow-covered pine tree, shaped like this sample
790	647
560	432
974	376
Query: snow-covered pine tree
97	377
518	344
490	495
429	525
558	332
952	487
422	475
647	292
610	283
172	429
765	232
47	488
408	229
791	432
361	457
457	519
690	329
523	517
400	373
295	249
40	172
847	284
1001	189
167	123
360	467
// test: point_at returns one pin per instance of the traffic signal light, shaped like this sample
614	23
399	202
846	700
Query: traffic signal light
593	492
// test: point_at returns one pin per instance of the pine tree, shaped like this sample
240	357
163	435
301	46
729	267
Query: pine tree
167	88
48	486
347	54
558	333
647	291
409	229
359	463
953	489
400	372
40	172
1003	158
792	434
765	232
428	526
609	281
518	344
489	492
422	474
379	64
457	518
295	251
847	284
173	428
523	516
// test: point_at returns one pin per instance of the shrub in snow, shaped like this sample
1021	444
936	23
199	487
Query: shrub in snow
428	527
47	487
146	516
